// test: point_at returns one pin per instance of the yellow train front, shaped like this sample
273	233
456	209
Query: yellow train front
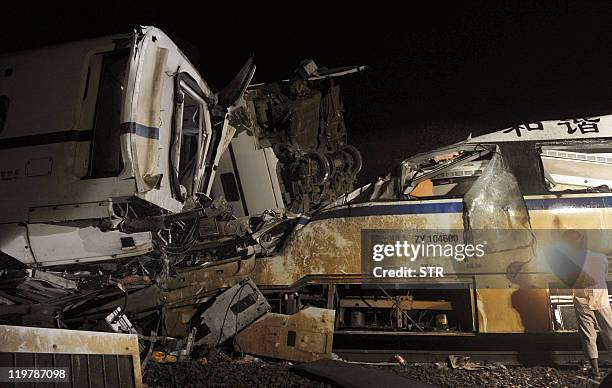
515	191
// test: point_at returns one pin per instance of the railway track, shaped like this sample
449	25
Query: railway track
511	349
555	358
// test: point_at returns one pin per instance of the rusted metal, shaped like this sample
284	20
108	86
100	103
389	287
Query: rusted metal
189	287
405	303
17	339
328	251
304	336
232	311
332	247
176	320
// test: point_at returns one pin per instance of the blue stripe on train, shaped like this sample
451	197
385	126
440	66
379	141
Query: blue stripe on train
457	207
584	202
395	209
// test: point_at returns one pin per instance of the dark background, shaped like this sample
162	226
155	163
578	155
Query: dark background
436	74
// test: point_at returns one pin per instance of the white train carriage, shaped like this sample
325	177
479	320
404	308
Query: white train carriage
99	130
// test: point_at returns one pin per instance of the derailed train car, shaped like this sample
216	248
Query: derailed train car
109	149
291	149
516	191
125	139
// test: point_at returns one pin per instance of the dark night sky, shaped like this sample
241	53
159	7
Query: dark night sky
435	74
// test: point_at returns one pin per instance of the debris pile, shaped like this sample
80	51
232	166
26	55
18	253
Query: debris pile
171	260
249	372
255	372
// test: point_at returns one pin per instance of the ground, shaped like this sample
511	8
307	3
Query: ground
253	372
499	377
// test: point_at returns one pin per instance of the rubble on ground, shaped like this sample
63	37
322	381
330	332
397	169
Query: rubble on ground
497	376
255	372
251	372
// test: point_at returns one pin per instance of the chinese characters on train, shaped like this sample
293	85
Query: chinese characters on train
572	126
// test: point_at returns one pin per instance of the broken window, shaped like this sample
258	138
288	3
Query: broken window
4	103
444	174
230	187
494	204
577	167
189	138
105	154
189	143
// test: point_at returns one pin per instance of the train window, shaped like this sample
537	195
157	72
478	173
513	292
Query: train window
105	155
447	174
189	137
4	104
577	167
230	188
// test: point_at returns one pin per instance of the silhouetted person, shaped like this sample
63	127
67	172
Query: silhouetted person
585	272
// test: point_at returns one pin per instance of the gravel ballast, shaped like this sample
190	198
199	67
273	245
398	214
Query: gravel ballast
254	372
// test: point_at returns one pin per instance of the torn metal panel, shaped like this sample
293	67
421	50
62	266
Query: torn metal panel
42	340
189	287
233	91
301	121
331	246
177	321
495	202
212	277
15	243
231	312
82	241
435	165
56	281
384	189
79	211
146	116
125	224
304	336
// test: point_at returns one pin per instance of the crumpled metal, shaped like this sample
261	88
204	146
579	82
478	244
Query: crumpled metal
495	203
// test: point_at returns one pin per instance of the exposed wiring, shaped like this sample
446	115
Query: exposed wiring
125	298
400	309
186	241
229	306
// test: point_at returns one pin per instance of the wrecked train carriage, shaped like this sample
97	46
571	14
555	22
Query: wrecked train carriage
108	139
525	184
109	149
291	149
